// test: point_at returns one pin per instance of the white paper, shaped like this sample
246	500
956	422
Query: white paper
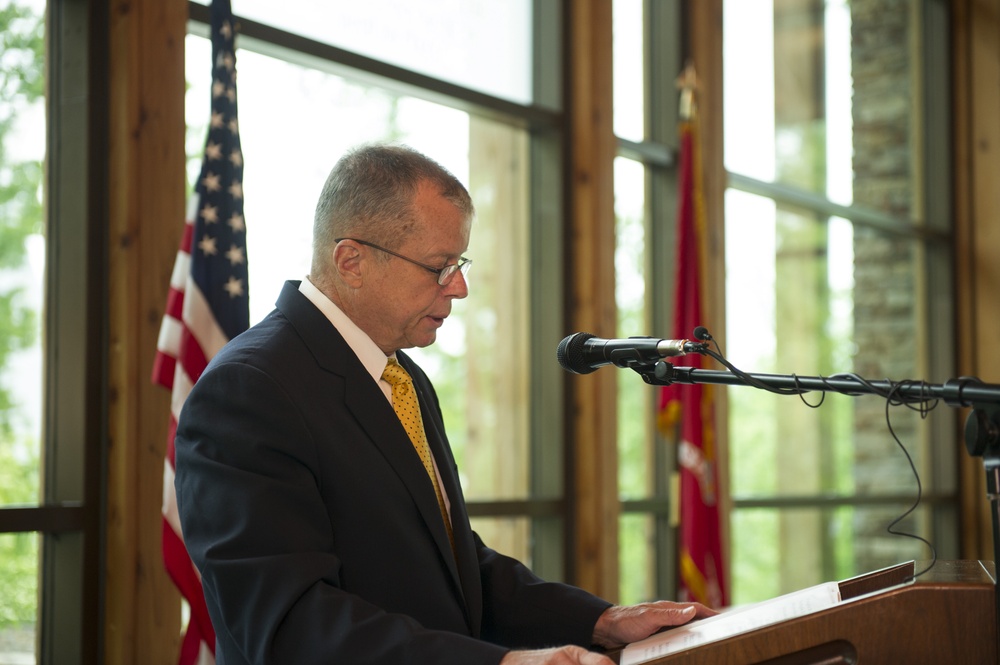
732	622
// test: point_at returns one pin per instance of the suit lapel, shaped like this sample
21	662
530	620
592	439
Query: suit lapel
465	549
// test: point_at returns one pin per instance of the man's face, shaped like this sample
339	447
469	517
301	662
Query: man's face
405	304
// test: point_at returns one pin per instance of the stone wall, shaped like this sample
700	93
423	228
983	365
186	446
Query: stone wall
886	117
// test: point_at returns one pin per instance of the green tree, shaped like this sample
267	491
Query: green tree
22	85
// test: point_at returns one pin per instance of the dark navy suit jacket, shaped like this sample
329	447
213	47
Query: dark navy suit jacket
316	529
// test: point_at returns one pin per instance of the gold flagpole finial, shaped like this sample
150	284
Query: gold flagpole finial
687	83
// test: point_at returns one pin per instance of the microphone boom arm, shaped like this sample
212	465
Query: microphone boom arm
960	392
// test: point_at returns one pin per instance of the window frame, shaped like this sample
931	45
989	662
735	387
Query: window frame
69	517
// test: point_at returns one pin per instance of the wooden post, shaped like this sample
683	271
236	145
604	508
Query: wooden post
591	427
146	217
976	112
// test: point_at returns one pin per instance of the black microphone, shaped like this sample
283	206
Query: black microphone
582	353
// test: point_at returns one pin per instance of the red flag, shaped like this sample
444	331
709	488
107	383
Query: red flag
207	305
702	571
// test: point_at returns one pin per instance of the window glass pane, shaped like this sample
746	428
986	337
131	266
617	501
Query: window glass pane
478	44
488	405
789	63
477	363
814	545
636	466
22	247
636	558
825	298
19	599
748	76
634	395
824	99
509	535
795	315
629	84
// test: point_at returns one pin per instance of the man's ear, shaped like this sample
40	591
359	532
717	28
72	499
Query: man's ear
347	258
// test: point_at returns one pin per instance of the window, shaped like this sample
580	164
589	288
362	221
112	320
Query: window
829	246
22	282
638	467
476	44
478	364
50	372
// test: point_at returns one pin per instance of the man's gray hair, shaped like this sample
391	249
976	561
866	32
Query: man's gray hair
369	195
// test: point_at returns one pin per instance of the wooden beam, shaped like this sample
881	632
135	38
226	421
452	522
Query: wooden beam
146	215
591	427
976	70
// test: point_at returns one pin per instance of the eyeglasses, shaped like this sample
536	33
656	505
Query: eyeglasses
444	275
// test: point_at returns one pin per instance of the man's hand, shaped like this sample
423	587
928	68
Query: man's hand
619	626
616	627
561	656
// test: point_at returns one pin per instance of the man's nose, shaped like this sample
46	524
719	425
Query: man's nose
458	287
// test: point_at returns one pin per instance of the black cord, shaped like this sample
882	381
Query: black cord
924	409
751	381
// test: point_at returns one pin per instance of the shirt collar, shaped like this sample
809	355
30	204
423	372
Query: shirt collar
363	346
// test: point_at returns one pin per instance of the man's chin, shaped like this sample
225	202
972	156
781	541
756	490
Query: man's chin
421	341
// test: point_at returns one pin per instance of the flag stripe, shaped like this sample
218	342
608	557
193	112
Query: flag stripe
200	321
182	264
169	509
192	358
186	578
182	386
164	367
171	332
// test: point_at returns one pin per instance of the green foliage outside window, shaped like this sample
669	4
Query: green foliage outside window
22	84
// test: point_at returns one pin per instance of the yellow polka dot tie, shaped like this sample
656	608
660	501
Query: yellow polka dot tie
404	403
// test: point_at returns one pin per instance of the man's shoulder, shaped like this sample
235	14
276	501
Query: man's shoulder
273	335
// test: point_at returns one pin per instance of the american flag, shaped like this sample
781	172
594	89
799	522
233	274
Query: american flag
207	305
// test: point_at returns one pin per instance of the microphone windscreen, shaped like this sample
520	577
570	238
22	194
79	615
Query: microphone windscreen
570	355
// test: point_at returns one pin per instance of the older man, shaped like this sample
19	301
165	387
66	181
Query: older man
318	493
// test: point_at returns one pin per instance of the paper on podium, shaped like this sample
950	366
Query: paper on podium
733	622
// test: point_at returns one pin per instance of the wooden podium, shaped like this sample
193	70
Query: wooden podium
948	615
